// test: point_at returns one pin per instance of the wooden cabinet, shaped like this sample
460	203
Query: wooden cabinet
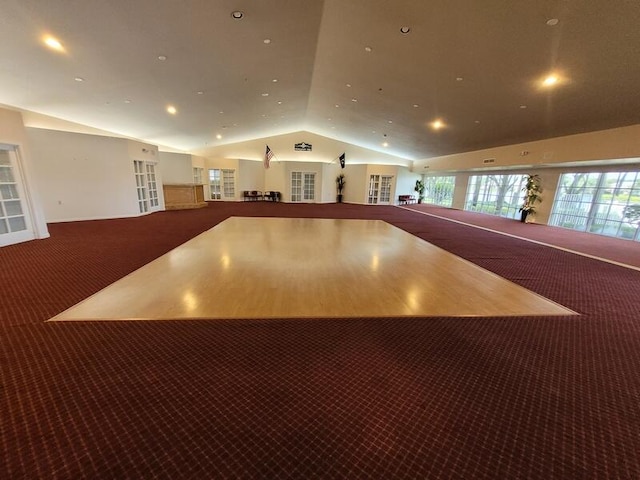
183	196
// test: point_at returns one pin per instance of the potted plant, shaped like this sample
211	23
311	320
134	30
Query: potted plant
340	182
532	191
420	186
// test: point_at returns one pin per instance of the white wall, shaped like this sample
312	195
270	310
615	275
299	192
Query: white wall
13	132
357	183
614	145
177	168
86	177
251	176
330	172
405	183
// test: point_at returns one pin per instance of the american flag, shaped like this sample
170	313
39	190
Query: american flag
267	157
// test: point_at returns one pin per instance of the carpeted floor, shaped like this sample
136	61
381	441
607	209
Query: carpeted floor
488	398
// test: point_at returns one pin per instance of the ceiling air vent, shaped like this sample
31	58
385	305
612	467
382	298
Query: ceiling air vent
488	160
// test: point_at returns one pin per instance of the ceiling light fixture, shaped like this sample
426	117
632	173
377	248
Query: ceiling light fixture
237	15
200	92
266	41
415	105
385	144
459	79
552	22
348	85
172	110
162	58
218	136
437	124
79	79
53	44
368	49
265	94
354	100
405	30
275	80
523	107
127	101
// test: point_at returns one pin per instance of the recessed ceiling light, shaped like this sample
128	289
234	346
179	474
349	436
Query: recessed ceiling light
389	121
523	107
172	110
459	79
266	41
265	94
127	101
275	80
53	43
349	85
368	49
405	30
218	136
237	14
200	92
354	99
552	22
415	105
337	106
385	144
437	124
79	79
279	102
477	121
550	80
162	58
220	112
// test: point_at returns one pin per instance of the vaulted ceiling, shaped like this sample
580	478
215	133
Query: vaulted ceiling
337	68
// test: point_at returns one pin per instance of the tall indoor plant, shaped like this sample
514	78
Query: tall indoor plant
420	187
340	182
532	189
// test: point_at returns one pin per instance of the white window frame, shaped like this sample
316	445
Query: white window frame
14	191
303	187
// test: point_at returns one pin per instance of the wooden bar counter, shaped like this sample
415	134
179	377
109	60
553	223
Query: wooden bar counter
183	196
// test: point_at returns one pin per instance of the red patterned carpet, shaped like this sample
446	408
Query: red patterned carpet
488	398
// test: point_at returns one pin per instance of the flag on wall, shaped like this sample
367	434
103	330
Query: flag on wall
342	159
268	155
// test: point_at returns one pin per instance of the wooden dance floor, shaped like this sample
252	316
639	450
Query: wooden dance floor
292	267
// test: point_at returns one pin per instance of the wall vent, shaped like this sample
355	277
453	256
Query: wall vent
488	160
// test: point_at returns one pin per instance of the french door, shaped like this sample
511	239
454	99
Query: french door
380	189
303	186
146	186
15	221
222	184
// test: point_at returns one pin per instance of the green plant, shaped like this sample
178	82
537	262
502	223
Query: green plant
532	189
420	187
340	183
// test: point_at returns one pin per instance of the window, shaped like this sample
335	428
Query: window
222	184
303	186
141	188
15	222
495	194
197	175
439	190
607	203
12	216
374	188
379	189
152	185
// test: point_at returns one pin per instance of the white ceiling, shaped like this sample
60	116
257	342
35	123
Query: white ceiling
499	49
